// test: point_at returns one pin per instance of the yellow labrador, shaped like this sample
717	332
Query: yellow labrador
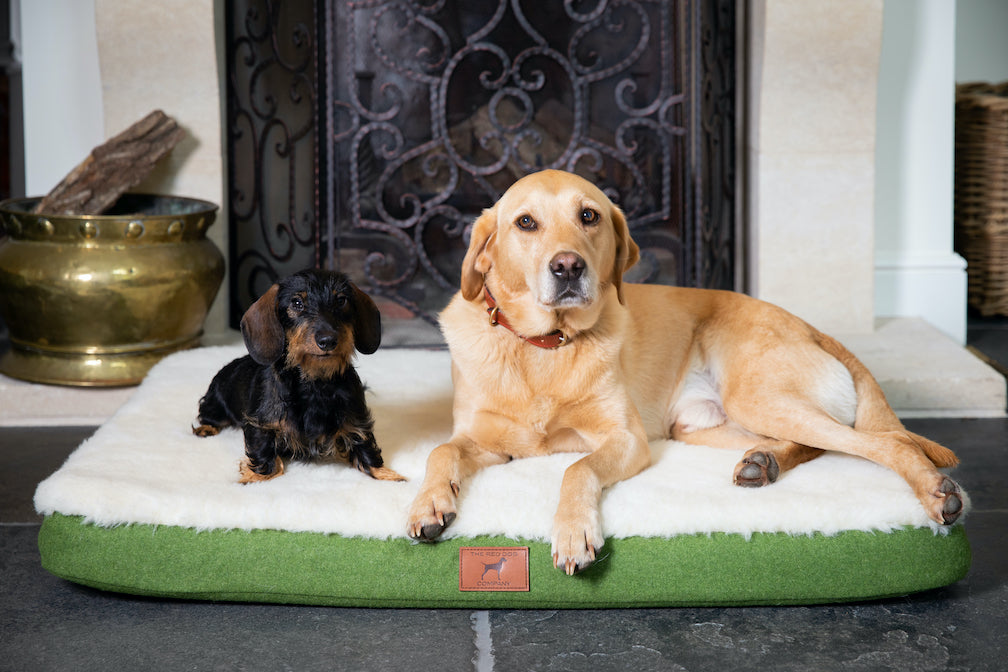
552	352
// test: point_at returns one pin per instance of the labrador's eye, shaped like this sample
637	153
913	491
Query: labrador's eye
526	223
589	217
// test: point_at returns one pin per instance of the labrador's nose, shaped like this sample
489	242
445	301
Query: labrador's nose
567	266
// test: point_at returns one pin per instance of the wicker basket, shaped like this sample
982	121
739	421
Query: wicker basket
981	193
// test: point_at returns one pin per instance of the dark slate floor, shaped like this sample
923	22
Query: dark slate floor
49	624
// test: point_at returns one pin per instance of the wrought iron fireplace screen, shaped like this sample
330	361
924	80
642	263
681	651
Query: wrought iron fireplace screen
367	136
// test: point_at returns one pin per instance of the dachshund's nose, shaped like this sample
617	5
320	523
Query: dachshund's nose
326	340
567	266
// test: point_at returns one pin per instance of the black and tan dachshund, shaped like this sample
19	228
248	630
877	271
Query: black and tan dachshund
296	394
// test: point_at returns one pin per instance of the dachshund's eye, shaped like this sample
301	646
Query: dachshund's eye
341	300
526	223
589	217
296	304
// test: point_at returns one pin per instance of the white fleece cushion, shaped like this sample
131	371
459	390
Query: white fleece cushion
145	466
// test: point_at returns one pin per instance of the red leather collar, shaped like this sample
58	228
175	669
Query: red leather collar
554	339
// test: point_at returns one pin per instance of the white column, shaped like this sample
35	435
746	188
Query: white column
916	270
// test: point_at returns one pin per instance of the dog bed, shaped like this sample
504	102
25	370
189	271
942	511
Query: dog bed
144	507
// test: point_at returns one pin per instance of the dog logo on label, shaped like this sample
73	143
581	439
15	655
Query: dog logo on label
493	568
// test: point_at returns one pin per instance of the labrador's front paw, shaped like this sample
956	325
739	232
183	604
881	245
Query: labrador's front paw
576	539
431	512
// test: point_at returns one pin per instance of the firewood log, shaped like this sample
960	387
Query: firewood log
113	167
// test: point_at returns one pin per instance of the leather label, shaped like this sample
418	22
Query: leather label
483	568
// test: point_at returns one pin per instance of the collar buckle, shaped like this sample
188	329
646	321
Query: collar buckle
554	339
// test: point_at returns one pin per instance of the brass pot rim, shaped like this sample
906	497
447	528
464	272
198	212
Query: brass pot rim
24	205
134	216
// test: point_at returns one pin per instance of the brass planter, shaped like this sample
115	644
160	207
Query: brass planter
98	300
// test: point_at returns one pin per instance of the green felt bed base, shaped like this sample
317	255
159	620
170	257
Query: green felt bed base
308	568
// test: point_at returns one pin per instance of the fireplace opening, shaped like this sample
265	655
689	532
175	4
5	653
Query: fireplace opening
367	136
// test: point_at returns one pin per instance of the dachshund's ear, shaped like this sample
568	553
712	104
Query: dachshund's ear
479	257
366	323
627	252
264	337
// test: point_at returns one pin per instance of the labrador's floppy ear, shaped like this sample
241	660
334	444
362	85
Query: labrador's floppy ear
627	252
366	322
479	257
264	337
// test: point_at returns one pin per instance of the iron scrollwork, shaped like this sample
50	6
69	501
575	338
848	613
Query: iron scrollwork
438	105
367	135
272	127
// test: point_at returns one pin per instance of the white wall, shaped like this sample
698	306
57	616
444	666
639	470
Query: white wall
916	271
63	114
981	41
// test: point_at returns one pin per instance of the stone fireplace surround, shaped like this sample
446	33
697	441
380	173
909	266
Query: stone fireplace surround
814	79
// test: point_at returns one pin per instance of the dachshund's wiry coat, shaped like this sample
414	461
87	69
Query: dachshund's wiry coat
296	395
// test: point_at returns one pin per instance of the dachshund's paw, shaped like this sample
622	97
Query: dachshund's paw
385	474
757	468
945	503
206	430
575	542
248	475
431	512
